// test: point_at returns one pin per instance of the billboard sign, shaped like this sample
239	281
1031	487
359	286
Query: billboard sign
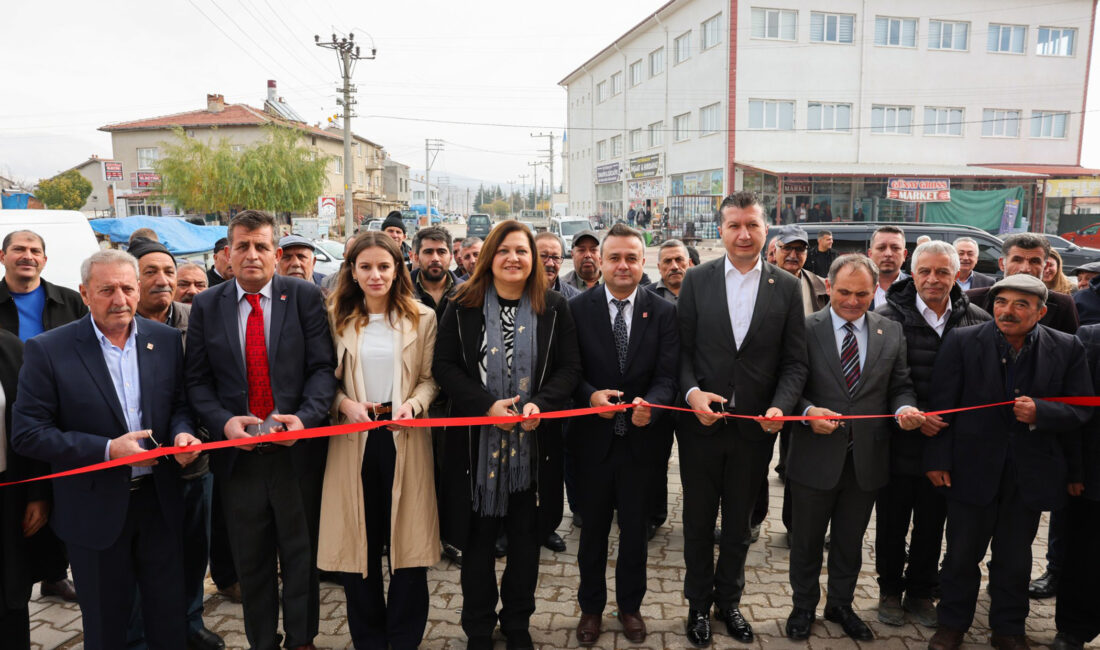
919	190
112	171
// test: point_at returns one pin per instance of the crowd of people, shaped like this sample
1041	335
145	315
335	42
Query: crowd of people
757	345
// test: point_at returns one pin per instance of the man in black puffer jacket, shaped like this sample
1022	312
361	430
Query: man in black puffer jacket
928	305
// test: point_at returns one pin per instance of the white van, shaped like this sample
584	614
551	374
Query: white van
69	240
566	227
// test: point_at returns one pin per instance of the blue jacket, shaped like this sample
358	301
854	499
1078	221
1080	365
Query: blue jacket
1088	302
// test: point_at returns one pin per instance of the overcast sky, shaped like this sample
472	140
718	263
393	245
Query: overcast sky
69	67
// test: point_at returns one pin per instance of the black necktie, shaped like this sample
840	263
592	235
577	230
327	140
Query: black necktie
622	340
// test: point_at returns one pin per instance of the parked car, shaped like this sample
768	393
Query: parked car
478	225
329	254
1087	236
1072	254
68	237
374	224
566	227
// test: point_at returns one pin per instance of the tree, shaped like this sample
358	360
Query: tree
501	208
68	191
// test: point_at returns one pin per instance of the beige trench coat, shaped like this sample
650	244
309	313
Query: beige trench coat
414	523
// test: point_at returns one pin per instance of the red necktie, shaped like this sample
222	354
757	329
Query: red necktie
260	402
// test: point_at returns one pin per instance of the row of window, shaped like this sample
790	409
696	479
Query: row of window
710	121
782	24
710	35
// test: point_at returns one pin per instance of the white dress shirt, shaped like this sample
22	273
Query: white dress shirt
244	309
880	293
628	308
741	290
122	365
937	323
376	347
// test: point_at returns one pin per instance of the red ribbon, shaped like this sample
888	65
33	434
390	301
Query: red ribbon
356	427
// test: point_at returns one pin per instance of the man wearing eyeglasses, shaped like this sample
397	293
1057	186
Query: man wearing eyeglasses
107	387
551	254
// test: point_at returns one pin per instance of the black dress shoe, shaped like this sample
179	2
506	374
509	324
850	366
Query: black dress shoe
204	639
502	546
577	520
1045	586
736	625
651	532
451	552
717	535
853	626
63	589
518	640
754	534
1063	641
799	623
555	543
698	627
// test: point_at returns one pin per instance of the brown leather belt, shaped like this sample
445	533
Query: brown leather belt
382	409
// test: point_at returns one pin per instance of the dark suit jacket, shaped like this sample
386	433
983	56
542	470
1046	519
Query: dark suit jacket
67	410
769	369
62	306
1061	312
212	278
651	368
884	387
980	280
1089	471
976	445
301	359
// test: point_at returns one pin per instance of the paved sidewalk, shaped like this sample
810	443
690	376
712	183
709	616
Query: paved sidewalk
767	602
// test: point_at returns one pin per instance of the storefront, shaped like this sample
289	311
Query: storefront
645	186
609	192
1069	203
693	204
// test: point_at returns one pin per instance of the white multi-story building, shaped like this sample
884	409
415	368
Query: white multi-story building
822	103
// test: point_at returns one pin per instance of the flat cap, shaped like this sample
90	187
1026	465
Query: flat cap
1091	267
1020	282
585	233
788	234
292	240
141	247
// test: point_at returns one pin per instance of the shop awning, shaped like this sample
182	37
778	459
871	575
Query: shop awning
1048	170
795	168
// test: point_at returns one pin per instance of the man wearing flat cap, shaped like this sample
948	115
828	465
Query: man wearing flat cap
790	254
1087	297
1000	467
297	259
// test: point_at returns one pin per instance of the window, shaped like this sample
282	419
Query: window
831	28
616	83
777	24
1006	38
943	121
829	117
656	62
681	48
680	126
656	134
710	119
1056	41
947	35
1048	124
601	150
637	141
636	73
710	33
895	32
616	146
337	164
146	157
997	123
771	115
601	91
892	119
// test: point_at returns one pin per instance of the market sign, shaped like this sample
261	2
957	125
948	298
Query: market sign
796	186
1073	187
610	173
112	171
919	190
645	166
144	180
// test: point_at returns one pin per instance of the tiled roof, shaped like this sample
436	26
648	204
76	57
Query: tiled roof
232	115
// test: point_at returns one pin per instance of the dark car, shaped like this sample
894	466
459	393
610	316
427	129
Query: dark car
856	238
478	225
1073	255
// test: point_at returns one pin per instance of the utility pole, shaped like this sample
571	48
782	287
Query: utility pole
535	183
348	53
523	199
431	145
550	152
511	196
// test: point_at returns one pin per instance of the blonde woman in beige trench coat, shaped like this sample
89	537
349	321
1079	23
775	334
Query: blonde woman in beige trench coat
379	490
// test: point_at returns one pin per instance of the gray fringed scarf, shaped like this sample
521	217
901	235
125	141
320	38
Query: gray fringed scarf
504	463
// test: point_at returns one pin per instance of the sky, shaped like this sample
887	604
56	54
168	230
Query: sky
69	67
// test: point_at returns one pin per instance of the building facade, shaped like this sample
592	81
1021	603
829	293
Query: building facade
819	106
395	183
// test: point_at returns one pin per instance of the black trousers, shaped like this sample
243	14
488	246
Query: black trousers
1010	526
272	517
222	570
439	452
48	557
847	507
479	576
147	555
1056	542
15	629
615	482
375	620
661	435
724	470
905	499
1078	609
760	510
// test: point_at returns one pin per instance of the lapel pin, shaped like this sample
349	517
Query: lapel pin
283	297
771	280
148	346
879	331
521	328
645	314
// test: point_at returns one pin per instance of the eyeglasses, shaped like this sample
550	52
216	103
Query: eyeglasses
793	249
546	257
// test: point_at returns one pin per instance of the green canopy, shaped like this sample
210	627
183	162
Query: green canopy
975	208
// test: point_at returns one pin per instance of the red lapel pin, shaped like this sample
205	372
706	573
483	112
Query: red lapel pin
645	314
283	297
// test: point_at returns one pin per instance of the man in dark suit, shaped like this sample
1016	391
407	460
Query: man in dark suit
967	278
743	351
221	271
81	385
631	353
1000	467
858	366
259	354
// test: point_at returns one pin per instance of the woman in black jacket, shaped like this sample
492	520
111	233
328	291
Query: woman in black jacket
506	345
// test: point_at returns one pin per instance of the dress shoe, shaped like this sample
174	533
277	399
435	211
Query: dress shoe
1009	641
754	534
479	643
577	520
451	552
633	627
329	576
518	640
698	627
853	626
555	543
890	611
1063	641
717	535
799	623
204	639
922	609
588	629
501	547
946	638
651	532
232	592
1044	586
63	589
736	625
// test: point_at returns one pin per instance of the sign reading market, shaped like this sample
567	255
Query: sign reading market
919	190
